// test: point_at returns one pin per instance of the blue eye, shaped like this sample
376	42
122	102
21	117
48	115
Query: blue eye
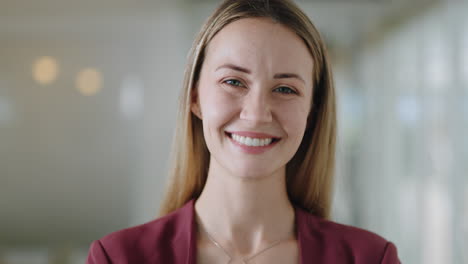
285	90
234	82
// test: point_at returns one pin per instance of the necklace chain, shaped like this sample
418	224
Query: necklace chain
245	259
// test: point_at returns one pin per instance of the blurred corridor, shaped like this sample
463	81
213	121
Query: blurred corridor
88	98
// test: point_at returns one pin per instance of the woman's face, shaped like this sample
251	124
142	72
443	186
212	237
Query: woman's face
253	96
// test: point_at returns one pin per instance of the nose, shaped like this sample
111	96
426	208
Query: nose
256	108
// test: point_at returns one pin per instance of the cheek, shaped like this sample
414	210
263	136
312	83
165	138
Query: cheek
217	107
293	116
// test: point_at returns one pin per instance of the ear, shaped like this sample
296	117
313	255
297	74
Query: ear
195	102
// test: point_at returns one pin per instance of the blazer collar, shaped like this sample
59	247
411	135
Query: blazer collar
305	227
185	239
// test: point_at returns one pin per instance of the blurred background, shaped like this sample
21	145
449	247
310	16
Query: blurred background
88	99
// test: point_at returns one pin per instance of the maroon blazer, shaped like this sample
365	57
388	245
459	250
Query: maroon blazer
172	240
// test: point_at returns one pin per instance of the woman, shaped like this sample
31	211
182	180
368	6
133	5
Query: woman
253	153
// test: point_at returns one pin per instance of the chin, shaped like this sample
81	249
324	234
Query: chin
252	172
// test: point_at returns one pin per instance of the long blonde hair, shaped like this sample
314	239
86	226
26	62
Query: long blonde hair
309	174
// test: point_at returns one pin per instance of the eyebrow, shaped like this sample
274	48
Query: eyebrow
245	70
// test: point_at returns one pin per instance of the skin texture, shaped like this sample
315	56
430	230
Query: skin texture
244	204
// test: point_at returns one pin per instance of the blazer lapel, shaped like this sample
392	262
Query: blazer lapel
308	247
185	239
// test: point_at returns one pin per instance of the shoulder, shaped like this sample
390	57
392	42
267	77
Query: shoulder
141	243
345	243
358	237
151	233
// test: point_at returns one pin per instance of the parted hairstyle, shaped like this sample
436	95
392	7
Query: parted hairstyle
309	174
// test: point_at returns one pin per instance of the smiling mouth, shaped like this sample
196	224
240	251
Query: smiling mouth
252	141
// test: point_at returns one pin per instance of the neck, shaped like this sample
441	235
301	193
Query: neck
245	214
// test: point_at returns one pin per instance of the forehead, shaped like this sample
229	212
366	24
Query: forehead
260	43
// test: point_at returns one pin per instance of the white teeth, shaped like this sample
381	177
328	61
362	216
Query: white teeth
256	142
252	142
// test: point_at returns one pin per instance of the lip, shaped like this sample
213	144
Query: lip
250	149
252	134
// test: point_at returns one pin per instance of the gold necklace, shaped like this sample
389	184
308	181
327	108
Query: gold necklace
245	259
